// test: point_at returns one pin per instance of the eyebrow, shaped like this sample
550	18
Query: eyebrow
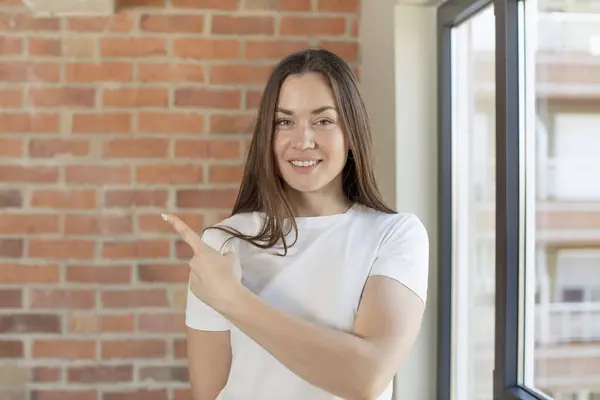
315	111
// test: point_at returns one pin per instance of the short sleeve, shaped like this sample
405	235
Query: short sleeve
198	315
404	255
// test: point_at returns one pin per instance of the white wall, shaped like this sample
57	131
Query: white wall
398	81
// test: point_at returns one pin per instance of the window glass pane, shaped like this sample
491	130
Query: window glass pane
563	195
474	207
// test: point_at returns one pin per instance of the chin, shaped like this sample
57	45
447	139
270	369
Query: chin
304	187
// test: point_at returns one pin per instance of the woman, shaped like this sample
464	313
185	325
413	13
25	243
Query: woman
313	289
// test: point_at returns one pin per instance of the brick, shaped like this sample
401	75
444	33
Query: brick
105	224
152	223
239	74
312	26
225	173
136	97
28	274
179	298
133	47
128	349
147	248
28	22
11	147
136	198
206	198
125	4
177	373
180	348
31	174
23	72
30	323
24	224
11	248
253	98
95	72
104	274
62	97
58	394
38	122
14	394
243	25
61	249
64	199
170	72
169	174
170	122
232	123
68	349
62	299
11	97
224	5
11	298
165	273
208	149
11	198
100	374
278	5
100	323
134	298
48	148
11	349
161	323
11	46
44	47
117	122
273	49
346	50
209	98
74	47
348	6
135	148
137	394
117	323
98	174
46	374
182	394
121	22
165	23
207	49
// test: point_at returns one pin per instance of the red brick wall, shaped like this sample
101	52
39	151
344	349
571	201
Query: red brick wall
105	123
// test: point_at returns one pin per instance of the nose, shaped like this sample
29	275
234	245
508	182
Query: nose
304	137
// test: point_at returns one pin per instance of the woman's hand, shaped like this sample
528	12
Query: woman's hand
213	277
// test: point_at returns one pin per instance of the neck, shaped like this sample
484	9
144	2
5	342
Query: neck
317	204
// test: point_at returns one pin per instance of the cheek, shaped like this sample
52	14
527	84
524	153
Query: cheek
336	145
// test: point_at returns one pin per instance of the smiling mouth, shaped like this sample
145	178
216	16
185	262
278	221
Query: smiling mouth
311	163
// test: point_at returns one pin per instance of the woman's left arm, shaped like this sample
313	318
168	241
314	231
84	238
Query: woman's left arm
354	366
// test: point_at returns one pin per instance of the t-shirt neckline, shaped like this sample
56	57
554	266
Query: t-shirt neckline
325	220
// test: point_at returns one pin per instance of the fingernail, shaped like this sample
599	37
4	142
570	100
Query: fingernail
164	216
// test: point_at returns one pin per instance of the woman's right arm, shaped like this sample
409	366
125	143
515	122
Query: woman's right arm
209	361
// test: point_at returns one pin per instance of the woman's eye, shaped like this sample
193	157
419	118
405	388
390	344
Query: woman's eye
283	122
324	122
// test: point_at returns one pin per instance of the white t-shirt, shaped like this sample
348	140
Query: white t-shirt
321	279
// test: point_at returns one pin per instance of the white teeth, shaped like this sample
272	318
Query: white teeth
304	163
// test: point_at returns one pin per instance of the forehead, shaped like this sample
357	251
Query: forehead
305	92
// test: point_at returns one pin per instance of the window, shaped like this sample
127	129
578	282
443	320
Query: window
520	200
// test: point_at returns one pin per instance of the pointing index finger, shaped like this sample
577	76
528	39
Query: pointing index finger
186	233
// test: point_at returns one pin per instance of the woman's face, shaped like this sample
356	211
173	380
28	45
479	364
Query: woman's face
309	143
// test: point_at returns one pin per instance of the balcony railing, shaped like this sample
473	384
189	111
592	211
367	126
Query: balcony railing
557	323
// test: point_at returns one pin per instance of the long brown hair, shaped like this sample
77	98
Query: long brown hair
261	189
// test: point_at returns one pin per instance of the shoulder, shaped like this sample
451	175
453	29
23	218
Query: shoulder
218	235
397	226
